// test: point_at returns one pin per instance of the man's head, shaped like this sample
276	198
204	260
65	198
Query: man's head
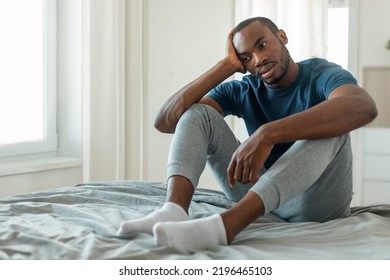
260	45
262	20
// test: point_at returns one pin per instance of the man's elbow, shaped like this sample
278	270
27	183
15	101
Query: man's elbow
371	111
162	126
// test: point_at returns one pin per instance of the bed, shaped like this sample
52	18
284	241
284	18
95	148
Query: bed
80	222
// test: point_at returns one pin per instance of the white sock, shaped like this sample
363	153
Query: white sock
192	235
168	212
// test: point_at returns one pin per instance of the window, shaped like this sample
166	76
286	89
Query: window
338	24
28	77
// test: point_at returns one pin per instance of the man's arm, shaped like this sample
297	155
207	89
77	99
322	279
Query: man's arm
195	92
347	108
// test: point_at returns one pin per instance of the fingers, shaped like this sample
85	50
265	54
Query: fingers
254	176
242	173
231	173
231	33
232	54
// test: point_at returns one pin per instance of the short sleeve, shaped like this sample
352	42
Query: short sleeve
331	77
230	96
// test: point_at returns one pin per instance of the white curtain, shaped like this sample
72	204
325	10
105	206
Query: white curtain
104	89
304	21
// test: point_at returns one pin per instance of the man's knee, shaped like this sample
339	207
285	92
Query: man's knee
199	116
199	109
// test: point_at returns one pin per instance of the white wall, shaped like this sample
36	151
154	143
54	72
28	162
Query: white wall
182	39
372	155
374	33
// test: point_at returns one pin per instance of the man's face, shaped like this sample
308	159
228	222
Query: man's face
263	53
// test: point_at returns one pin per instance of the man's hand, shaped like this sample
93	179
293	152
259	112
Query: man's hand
248	160
231	53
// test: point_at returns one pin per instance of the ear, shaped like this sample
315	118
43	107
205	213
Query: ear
282	36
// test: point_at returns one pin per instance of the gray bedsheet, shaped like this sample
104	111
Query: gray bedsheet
80	222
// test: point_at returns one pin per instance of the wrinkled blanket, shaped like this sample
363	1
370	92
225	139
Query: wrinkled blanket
80	222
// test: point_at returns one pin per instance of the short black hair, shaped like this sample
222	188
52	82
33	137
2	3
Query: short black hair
263	20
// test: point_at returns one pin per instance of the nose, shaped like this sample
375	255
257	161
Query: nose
260	59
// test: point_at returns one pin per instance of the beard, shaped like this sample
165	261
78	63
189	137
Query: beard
284	63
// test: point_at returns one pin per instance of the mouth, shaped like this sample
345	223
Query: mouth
266	71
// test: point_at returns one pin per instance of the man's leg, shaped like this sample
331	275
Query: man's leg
325	166
202	135
200	132
312	181
311	173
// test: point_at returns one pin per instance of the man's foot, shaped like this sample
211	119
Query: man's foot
192	235
170	212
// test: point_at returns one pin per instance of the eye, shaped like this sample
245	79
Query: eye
245	59
263	45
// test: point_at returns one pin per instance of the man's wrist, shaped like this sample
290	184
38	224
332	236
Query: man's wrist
268	134
230	65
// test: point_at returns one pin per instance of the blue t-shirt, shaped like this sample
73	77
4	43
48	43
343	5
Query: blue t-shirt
257	104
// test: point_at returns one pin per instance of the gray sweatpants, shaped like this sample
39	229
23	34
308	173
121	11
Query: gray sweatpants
312	181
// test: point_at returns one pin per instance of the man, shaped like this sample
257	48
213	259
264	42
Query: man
297	161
